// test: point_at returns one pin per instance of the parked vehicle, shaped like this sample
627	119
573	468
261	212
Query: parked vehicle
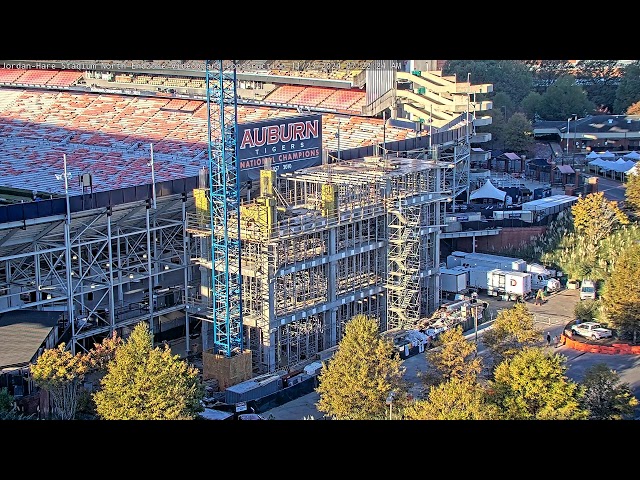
495	282
541	277
592	330
587	290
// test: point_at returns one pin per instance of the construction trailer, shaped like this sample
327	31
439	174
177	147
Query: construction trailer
325	243
454	280
467	259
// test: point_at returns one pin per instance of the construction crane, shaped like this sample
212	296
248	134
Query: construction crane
224	188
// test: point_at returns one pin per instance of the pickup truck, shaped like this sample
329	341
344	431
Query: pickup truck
592	330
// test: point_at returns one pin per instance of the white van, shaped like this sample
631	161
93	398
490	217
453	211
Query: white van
588	290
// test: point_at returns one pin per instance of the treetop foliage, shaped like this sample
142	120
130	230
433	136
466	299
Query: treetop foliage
356	383
146	383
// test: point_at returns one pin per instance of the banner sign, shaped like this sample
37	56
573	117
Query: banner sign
289	144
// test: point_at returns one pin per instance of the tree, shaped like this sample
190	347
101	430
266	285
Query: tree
587	310
512	330
563	99
599	80
530	105
8	409
146	383
628	91
606	396
634	109
519	134
452	356
596	217
532	385
60	373
455	399
104	352
364	371
547	72
621	296
632	192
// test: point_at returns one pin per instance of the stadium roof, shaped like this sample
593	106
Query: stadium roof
22	332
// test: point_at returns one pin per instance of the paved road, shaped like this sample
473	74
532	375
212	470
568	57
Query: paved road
612	189
550	317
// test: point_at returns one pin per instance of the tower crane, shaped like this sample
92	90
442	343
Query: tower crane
224	188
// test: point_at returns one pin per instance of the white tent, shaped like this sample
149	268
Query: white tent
632	156
488	190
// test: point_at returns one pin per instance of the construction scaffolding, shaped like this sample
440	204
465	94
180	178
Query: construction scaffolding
325	243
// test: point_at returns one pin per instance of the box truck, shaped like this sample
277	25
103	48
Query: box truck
510	284
540	276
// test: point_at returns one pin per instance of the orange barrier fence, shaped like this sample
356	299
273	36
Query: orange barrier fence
615	349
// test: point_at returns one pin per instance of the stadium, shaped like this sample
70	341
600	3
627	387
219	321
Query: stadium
106	212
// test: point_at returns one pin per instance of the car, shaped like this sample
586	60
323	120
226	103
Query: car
588	290
592	330
250	416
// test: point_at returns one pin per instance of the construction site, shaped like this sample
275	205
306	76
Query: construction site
326	243
258	283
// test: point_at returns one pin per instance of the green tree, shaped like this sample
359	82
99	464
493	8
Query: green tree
519	134
532	385
512	78
146	383
8	410
547	72
364	371
632	192
621	296
628	91
452	356
6	400
599	80
606	396
530	105
455	399
587	310
60	373
563	99
512	330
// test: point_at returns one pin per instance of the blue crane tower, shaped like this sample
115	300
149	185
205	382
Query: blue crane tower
224	188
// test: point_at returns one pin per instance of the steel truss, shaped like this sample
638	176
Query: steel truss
116	260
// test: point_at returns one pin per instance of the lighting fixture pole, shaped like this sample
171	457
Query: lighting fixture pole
468	95
575	133
430	129
153	177
338	135
67	255
389	402
384	134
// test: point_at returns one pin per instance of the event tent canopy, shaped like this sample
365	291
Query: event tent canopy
488	190
634	155
619	165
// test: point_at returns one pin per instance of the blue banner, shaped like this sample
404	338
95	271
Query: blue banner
289	144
